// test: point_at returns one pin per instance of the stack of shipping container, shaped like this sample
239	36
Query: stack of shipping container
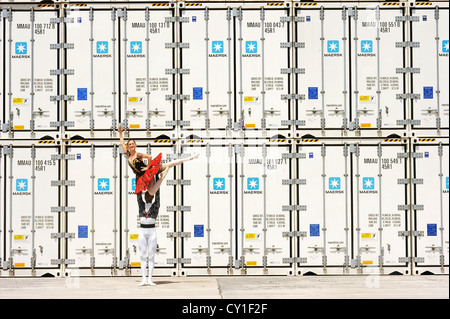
322	129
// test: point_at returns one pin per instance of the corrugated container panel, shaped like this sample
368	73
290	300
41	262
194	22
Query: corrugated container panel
234	221
349	57
105	220
429	58
431	189
31	64
235	61
30	209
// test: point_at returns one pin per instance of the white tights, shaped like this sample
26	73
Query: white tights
147	248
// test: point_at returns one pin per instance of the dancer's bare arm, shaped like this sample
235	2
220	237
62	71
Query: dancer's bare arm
122	141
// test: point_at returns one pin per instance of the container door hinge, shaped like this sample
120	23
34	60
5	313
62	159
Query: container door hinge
177	19
62	71
291	18
178	122
293	181
295	260
300	45
178	260
62	235
62	183
407	44
294	207
406	155
62	123
175	182
408	233
413	181
406	18
62	261
179	234
408	122
55	98
62	156
61	209
292	70
179	208
175	45
293	155
409	259
294	234
293	122
407	207
58	46
292	96
62	20
175	71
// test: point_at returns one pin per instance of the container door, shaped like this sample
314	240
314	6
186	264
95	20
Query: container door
262	221
30	72
379	198
377	90
324	198
2	93
431	195
209	59
210	195
323	74
31	241
430	58
261	58
165	223
147	69
94	197
94	61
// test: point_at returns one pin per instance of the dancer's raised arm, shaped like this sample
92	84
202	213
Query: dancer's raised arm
122	141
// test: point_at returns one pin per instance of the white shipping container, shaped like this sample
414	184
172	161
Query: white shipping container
324	197
234	218
430	59
431	189
166	249
235	60
348	60
105	221
31	241
94	61
145	56
30	70
348	215
378	197
119	71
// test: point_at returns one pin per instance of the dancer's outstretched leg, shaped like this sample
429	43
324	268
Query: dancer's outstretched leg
178	162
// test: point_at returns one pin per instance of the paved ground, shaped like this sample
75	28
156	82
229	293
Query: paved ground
307	287
225	297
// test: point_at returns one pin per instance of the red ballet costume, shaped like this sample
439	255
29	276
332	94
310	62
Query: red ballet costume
143	178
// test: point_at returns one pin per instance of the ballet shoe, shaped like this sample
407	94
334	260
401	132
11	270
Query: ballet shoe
151	283
142	283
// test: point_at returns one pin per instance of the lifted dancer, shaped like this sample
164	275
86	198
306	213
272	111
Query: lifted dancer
145	173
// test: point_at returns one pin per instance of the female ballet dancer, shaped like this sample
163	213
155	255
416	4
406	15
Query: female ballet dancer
145	173
148	180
